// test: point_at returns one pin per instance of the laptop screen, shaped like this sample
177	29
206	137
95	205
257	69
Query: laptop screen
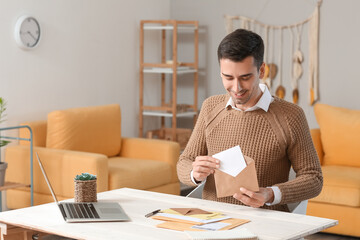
46	178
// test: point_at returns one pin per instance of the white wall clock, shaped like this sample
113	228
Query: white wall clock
27	32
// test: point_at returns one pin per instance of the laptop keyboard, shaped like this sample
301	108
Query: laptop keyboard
81	210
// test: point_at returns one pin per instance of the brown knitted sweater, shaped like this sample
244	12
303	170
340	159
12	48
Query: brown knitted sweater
276	140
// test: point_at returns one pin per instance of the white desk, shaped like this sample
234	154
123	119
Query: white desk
136	203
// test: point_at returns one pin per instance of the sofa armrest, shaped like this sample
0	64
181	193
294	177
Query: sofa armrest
39	129
61	167
152	149
316	137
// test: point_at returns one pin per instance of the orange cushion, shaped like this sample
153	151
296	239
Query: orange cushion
340	134
348	217
89	129
341	186
138	173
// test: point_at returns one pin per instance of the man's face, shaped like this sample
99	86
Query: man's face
241	80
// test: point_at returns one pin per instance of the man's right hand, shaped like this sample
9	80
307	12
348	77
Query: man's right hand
203	166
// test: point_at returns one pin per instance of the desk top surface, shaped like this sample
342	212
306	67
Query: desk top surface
266	224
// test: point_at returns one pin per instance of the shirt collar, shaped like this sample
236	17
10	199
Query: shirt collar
263	103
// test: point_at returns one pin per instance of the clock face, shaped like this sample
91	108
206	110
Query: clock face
27	32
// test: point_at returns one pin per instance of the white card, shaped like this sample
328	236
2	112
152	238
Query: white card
231	161
211	226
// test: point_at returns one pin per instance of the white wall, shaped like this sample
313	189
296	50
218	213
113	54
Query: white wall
88	55
89	52
339	44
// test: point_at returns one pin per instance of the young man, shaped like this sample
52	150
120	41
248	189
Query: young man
273	132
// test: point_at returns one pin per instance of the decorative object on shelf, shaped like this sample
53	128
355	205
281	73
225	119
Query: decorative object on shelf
179	107
27	32
297	56
3	143
85	188
168	68
182	135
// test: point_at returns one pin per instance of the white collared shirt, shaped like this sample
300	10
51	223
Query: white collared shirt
264	103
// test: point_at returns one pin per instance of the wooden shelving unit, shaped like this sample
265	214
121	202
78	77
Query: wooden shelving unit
174	68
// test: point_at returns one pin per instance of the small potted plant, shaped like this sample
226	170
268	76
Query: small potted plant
85	188
3	143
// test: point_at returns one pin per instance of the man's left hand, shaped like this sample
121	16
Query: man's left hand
255	199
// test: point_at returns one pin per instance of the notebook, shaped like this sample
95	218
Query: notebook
89	211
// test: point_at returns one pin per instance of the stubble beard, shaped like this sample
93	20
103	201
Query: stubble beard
240	101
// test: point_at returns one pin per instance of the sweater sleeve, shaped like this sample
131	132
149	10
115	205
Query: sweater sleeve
304	160
196	146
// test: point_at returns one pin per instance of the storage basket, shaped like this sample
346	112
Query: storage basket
182	135
85	191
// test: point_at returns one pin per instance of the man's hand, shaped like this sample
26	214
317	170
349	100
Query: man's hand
203	166
255	199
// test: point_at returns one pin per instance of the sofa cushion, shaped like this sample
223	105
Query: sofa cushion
89	129
340	131
137	173
341	186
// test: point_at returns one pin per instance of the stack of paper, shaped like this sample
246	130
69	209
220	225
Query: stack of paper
195	219
190	215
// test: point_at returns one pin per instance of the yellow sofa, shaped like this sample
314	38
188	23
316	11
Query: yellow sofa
337	142
88	139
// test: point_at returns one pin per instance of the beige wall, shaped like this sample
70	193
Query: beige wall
88	55
339	43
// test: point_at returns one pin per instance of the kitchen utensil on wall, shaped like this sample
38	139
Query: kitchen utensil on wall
297	58
280	90
273	69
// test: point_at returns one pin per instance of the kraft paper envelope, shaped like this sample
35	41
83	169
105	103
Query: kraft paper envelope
190	211
227	185
181	226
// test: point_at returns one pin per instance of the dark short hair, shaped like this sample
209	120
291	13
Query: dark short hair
241	44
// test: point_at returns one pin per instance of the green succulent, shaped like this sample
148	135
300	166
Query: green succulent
85	177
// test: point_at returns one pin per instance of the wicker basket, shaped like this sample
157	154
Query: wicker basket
179	107
182	135
85	191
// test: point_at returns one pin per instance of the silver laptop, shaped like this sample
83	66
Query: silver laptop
87	212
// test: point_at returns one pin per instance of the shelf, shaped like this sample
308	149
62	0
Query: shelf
180	70
169	64
10	185
166	114
158	27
